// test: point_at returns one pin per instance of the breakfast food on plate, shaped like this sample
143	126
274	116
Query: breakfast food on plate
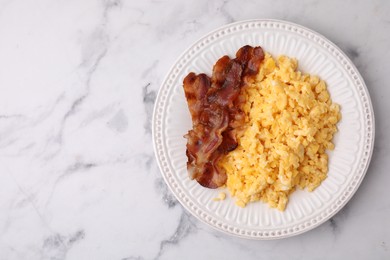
213	104
221	196
290	122
269	137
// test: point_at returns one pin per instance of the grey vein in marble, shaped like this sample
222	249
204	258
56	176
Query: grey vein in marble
223	9
133	258
119	122
149	96
94	51
333	224
56	246
167	196
184	228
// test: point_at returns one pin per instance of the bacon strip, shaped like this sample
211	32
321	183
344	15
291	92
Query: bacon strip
215	117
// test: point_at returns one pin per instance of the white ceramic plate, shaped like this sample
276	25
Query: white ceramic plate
347	163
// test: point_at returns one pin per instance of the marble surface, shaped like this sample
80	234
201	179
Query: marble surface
78	81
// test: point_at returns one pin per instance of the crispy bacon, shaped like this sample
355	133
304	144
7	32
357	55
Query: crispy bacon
213	105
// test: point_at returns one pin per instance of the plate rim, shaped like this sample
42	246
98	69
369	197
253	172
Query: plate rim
305	32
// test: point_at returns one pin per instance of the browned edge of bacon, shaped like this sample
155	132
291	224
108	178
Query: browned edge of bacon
214	107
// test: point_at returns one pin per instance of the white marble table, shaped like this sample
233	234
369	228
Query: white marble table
79	180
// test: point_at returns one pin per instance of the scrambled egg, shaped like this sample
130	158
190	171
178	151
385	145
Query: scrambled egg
290	122
221	196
